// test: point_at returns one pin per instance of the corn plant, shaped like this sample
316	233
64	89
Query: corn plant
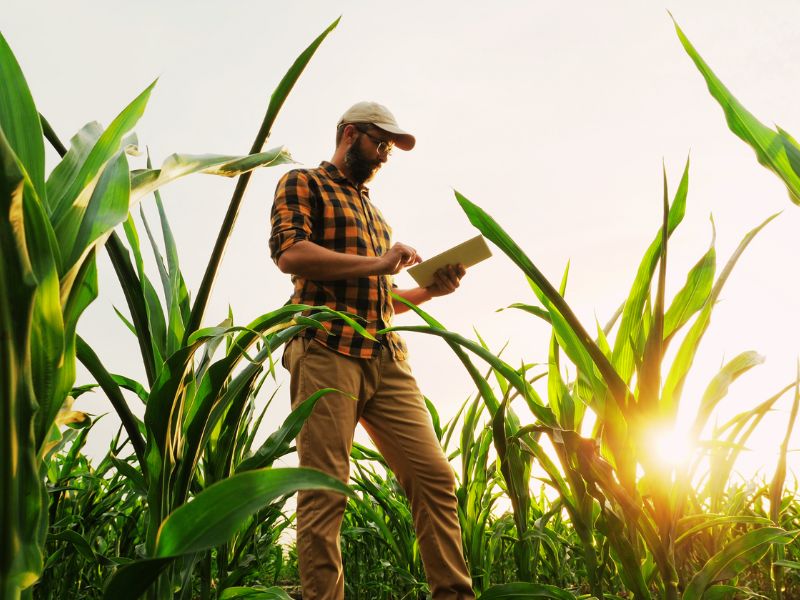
622	384
50	232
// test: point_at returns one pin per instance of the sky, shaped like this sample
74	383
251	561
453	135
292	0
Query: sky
557	118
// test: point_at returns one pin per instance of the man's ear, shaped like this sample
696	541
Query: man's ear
350	133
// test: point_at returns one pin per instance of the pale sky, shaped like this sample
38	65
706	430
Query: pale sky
554	117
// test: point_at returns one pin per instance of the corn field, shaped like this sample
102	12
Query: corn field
560	496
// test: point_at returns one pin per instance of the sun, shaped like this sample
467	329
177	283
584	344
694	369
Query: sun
669	446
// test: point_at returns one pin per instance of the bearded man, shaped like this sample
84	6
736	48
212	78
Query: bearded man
333	240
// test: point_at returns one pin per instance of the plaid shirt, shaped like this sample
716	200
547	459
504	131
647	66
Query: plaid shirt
321	205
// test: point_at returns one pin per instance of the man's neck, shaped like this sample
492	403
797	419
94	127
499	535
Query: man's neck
339	162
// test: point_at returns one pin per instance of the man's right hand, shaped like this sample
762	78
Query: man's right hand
397	258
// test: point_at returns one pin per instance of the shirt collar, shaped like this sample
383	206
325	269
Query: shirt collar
335	174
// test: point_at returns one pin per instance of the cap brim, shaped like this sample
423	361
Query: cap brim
402	139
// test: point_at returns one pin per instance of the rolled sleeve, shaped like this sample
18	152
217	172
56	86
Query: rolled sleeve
291	215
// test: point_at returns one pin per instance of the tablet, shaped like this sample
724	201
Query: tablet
467	253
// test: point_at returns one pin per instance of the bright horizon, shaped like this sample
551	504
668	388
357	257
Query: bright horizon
555	119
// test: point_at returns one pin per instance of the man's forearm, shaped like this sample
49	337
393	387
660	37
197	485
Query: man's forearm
311	261
414	295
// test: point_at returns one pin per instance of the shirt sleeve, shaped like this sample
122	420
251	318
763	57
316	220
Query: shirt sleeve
291	215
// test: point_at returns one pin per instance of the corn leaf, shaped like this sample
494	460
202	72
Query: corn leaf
63	193
673	384
492	230
217	512
777	151
277	444
739	554
19	119
526	591
693	295
623	356
145	181
243	593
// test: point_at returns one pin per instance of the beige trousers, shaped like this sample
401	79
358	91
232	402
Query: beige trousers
392	410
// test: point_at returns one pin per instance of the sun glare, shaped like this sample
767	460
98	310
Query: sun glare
669	446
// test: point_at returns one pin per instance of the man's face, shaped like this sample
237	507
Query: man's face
363	159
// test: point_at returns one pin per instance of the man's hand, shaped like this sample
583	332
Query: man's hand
446	280
397	258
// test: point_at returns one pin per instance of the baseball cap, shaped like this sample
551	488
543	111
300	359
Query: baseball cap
379	116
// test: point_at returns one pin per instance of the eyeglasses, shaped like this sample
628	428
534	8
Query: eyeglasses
383	146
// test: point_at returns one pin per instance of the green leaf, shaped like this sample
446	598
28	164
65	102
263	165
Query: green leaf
63	192
693	295
146	181
244	593
718	388
90	220
286	84
490	228
708	521
526	591
623	355
673	383
777	151
216	513
132	580
738	555
81	145
277	444
77	540
19	118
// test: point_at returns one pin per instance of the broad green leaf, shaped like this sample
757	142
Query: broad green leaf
775	150
526	591
725	592
623	357
80	145
285	86
132	580
489	227
709	521
22	498
693	295
77	540
673	383
738	555
144	182
19	118
277	444
96	212
243	593
543	413
718	388
216	513
107	145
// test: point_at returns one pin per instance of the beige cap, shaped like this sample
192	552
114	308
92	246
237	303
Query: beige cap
379	116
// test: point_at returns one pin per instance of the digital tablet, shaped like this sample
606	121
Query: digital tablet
467	253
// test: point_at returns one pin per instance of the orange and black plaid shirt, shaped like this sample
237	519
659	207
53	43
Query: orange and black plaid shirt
322	206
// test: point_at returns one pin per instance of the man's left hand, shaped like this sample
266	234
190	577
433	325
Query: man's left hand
446	280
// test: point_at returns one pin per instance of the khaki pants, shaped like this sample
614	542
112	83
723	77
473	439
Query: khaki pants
392	410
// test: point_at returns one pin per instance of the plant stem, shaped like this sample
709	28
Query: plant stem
90	360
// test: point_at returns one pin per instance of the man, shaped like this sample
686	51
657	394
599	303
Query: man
336	245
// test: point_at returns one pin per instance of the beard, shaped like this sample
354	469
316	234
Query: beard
360	167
